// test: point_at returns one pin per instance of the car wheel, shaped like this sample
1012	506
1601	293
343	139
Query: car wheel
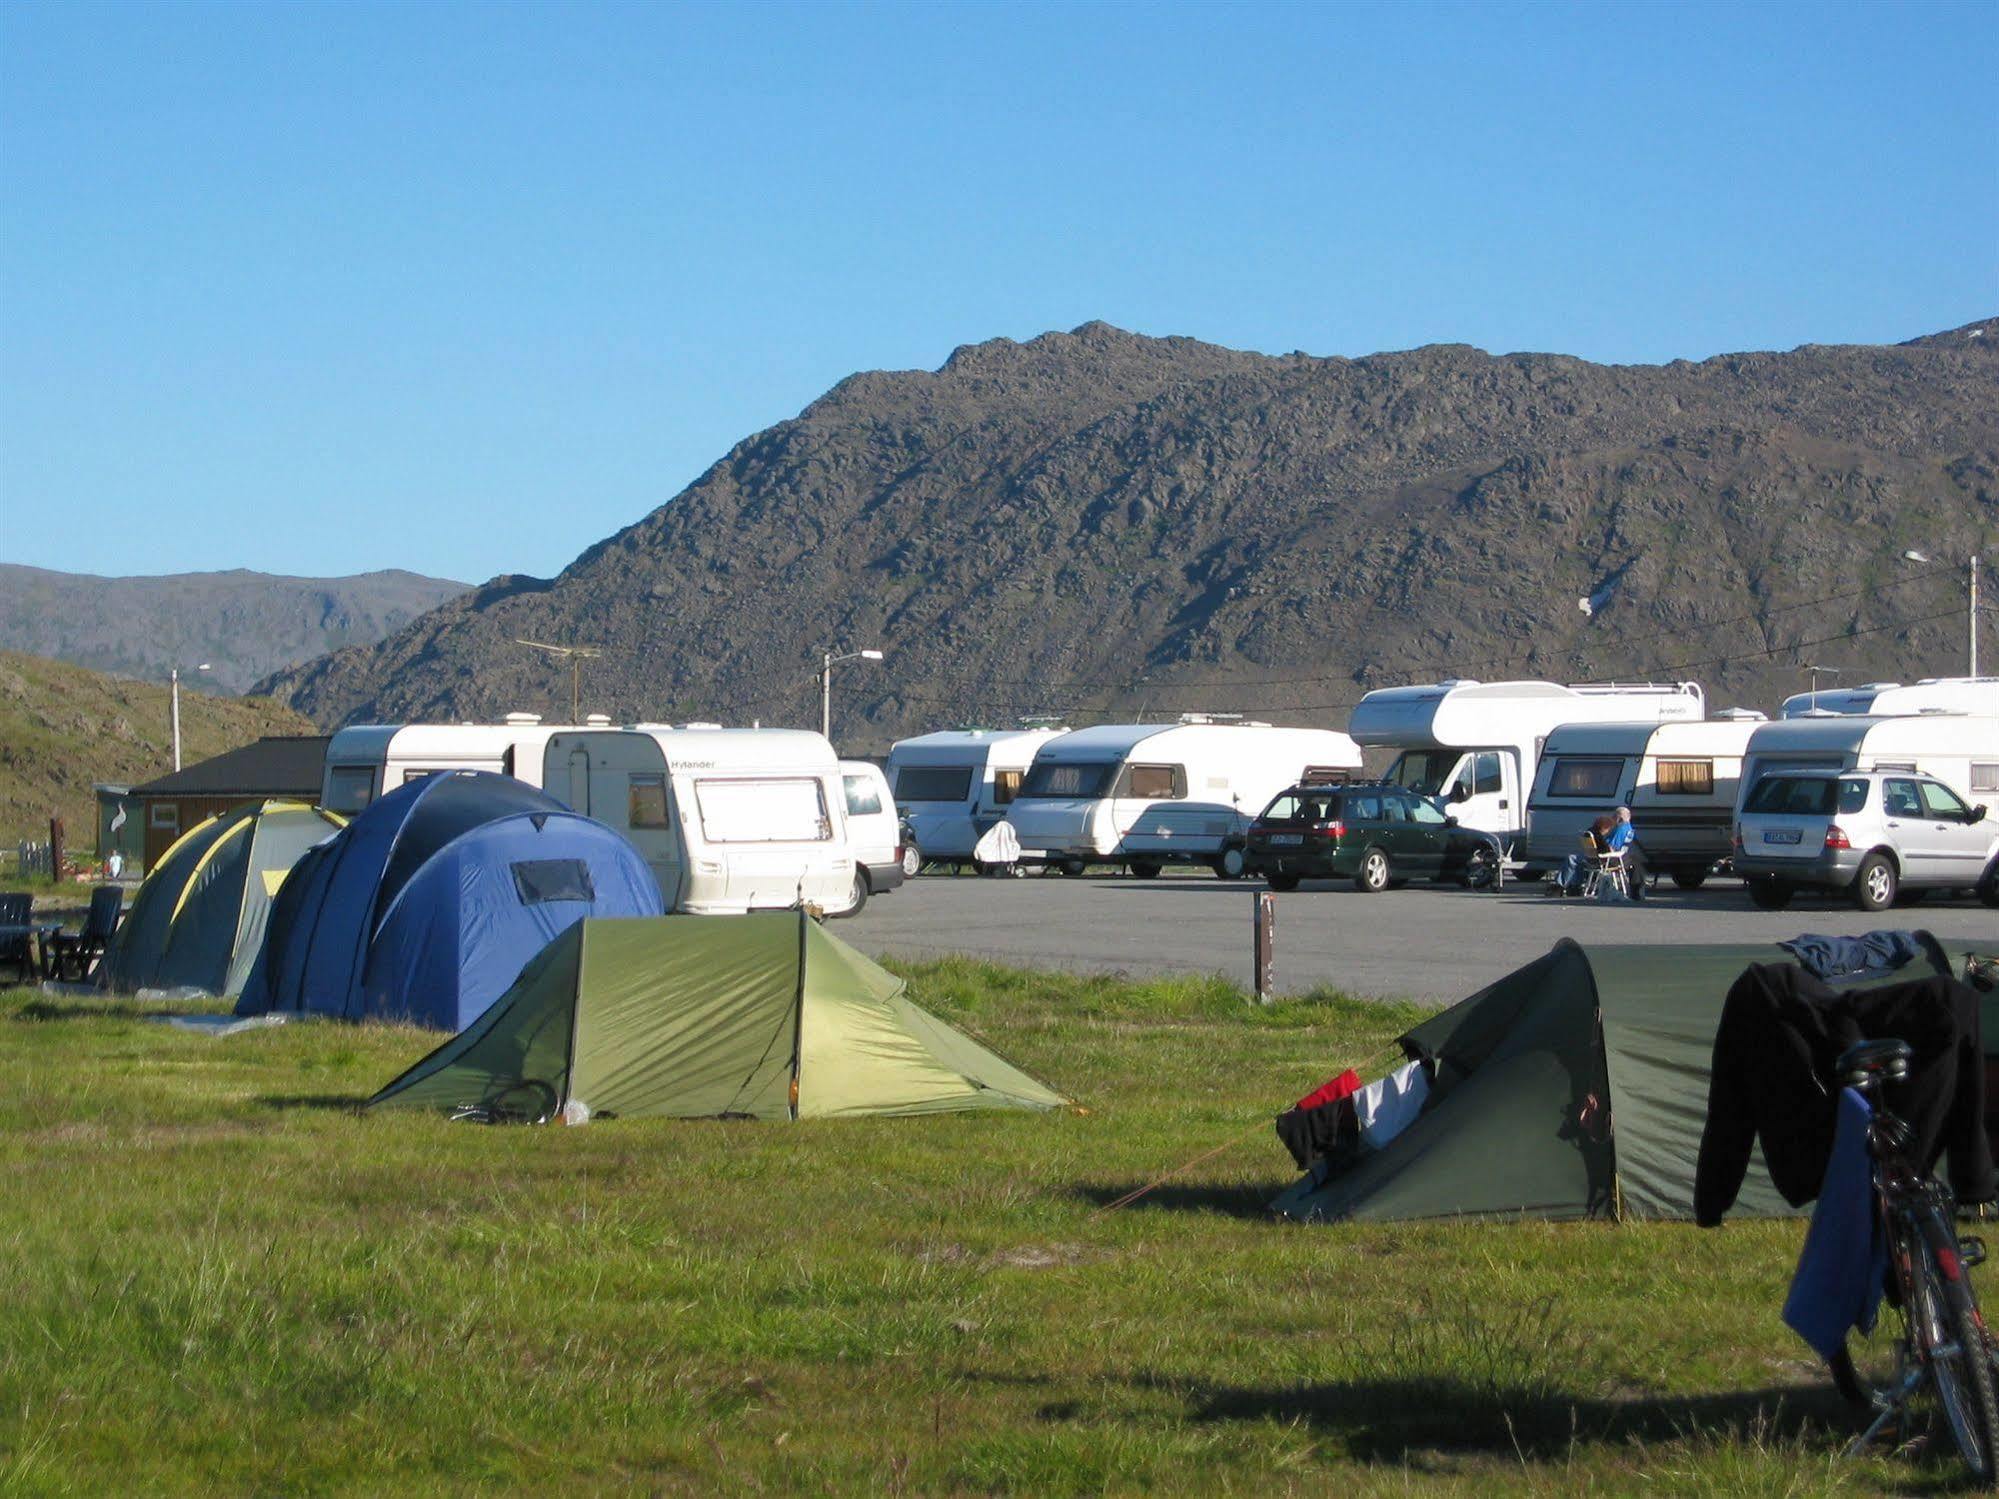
1690	879
1874	887
1228	864
1145	869
1281	881
1073	868
912	861
859	894
1769	895
1375	872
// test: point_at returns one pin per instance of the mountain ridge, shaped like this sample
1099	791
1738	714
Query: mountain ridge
1098	521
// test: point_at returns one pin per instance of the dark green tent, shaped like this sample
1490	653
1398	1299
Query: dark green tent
764	1016
1500	1134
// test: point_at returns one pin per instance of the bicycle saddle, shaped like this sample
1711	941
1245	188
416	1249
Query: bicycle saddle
1873	1061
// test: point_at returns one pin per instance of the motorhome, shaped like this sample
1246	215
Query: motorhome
954	785
729	819
1975	695
1146	795
364	761
1959	749
1679	779
1475	746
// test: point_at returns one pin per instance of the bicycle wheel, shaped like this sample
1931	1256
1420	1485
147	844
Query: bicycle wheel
1950	1334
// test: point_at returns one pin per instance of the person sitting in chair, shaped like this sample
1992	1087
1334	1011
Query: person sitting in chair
1575	868
1623	839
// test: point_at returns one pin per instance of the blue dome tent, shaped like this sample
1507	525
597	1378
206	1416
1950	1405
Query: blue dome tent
425	907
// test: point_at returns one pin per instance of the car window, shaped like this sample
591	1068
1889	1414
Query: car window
1941	801
1487	774
1363	807
1302	806
1794	796
1395	808
1422	812
1852	795
862	798
1899	799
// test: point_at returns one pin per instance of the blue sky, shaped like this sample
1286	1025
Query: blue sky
322	288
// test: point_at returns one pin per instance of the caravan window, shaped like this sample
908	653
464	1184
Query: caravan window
1006	786
1153	783
932	783
1984	776
787	810
349	788
645	801
1686	778
1077	780
1594	779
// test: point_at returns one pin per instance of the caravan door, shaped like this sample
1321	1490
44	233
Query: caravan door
620	780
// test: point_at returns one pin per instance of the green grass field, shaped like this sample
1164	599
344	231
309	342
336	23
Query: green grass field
221	1280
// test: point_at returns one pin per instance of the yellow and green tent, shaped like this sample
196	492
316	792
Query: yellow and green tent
760	1016
198	920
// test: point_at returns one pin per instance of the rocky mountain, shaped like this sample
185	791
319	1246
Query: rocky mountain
63	727
1096	523
246	625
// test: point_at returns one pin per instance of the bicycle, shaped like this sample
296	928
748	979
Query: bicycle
1944	1349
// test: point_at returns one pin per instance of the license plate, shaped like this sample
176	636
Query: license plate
1287	838
1782	835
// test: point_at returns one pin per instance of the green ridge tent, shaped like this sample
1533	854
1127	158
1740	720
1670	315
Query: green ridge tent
763	1016
1499	1137
198	919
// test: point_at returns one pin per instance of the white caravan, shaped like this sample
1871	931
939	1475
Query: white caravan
873	829
955	785
1975	695
1679	779
1145	795
729	819
1959	749
1475	746
364	761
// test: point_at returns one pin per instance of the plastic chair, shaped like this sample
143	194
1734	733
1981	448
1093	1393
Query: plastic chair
1604	864
62	949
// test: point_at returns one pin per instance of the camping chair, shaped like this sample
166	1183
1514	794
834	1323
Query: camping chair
61	949
1600	864
17	936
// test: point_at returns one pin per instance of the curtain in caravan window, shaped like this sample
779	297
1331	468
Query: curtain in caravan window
1592	778
1006	785
777	810
1686	777
1154	782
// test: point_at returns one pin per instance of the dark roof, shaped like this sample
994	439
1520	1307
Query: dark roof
283	765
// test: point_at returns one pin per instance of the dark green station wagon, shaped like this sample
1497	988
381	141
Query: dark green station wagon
1377	835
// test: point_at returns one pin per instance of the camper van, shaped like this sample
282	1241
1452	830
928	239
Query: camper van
729	820
1146	795
1974	695
1959	749
954	785
874	832
364	761
1679	779
1475	746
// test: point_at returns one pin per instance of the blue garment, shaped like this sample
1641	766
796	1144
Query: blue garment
1844	957
1844	1263
1620	836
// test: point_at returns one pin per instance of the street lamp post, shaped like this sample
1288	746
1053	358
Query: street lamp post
174	676
826	664
1972	563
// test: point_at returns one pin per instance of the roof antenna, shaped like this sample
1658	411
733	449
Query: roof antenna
575	655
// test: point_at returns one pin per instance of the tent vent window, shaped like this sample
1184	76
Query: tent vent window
542	880
1686	778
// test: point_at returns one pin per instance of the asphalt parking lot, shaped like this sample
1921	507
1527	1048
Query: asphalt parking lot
1420	942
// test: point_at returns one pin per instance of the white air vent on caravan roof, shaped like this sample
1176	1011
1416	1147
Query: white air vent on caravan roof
597	720
522	720
1227	720
701	726
1741	715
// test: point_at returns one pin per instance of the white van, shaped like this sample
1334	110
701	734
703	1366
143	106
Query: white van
1146	795
1959	749
954	785
1476	746
729	819
873	829
1679	779
364	761
1974	695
